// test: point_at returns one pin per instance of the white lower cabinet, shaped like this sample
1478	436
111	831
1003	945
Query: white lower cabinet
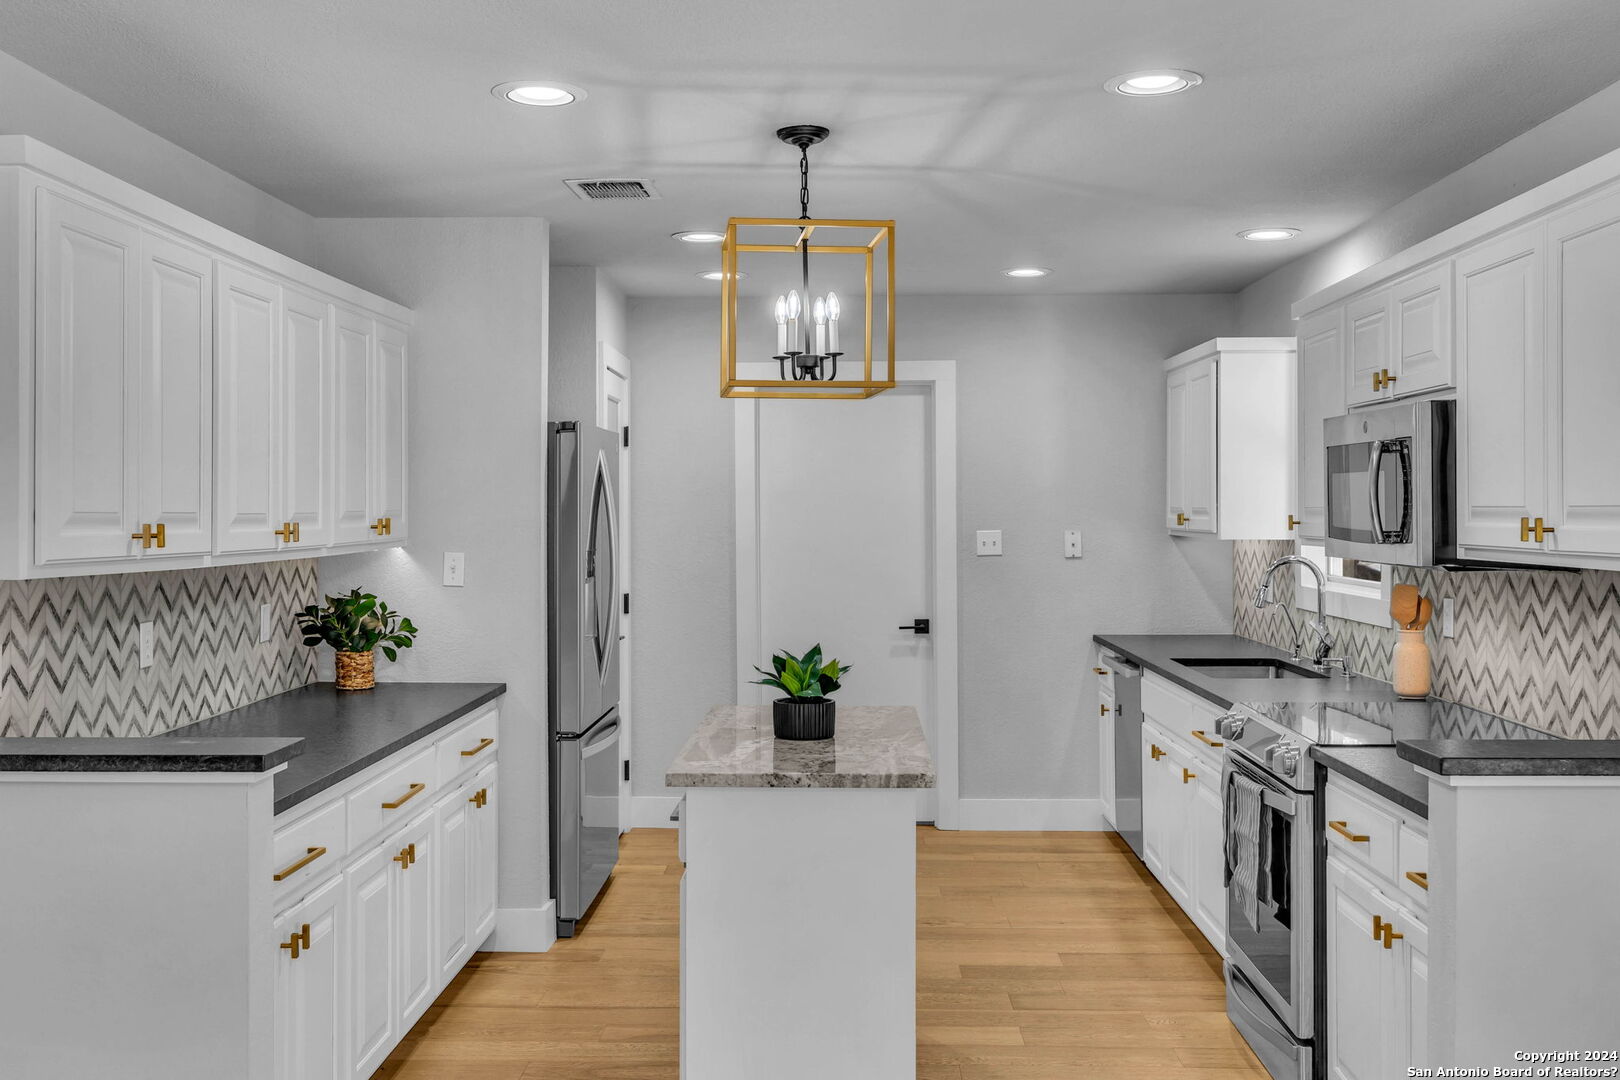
1105	755
484	868
418	971
1182	833
374	965
310	992
1377	984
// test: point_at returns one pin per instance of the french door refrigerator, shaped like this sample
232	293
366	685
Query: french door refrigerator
583	579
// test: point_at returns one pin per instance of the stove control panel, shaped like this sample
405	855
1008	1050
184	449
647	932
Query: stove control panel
1283	757
1230	726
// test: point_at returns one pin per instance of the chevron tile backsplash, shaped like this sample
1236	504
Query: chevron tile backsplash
1538	647
71	652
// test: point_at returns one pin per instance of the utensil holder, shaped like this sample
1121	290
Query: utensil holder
1411	665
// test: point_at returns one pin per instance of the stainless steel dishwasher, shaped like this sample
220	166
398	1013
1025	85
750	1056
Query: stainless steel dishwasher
1127	749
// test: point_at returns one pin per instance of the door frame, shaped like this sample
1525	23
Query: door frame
609	359
939	378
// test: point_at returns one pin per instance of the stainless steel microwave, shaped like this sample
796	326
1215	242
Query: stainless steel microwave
1391	484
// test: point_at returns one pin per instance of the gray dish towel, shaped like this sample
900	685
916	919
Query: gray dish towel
1244	803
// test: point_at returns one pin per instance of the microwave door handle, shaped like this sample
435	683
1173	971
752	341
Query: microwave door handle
1374	476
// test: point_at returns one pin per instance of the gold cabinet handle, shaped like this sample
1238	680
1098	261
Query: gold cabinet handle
146	536
1378	380
1182	519
298	942
1157	753
1542	531
1524	530
483	744
1293	523
377	526
310	855
480	798
388	526
1354	838
161	535
416	789
1390	936
1378	927
1205	739
1420	878
298	533
1188	777
1100	670
285	532
404	859
1102	710
1388	378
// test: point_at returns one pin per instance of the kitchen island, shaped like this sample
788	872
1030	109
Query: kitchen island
798	904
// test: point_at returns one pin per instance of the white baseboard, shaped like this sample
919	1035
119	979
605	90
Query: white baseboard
1031	815
524	929
652	811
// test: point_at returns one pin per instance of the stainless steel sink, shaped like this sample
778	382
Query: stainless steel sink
1251	667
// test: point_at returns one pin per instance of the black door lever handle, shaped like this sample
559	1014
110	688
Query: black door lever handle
918	626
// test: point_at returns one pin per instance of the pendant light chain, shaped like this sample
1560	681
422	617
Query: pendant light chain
804	183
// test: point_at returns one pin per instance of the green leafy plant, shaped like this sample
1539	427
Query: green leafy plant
358	622
806	676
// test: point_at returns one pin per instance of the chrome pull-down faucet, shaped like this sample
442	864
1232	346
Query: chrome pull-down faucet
1322	650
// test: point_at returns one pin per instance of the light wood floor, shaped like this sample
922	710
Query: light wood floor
1041	956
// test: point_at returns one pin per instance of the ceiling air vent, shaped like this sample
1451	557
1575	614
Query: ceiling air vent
615	189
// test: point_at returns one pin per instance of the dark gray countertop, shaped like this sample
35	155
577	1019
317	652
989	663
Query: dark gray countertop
1159	652
322	735
1511	757
1379	769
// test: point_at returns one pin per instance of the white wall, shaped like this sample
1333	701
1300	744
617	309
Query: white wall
1575	136
1061	424
32	103
477	484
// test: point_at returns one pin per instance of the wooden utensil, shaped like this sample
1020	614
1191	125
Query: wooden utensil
1425	613
1403	605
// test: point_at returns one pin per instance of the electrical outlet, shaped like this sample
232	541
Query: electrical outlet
455	569
989	542
1071	543
264	623
146	644
1448	618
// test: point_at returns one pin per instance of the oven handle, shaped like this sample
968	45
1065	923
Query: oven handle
1374	476
1284	804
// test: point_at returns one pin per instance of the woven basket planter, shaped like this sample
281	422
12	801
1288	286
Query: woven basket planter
356	671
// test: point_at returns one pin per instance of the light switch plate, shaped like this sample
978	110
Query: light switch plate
455	569
989	542
1448	618
1071	543
146	644
264	623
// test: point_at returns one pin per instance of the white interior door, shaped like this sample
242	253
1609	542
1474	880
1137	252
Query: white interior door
613	414
845	544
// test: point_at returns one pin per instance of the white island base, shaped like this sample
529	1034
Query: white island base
799	934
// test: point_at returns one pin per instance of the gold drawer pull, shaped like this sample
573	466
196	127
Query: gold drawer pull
407	856
416	789
156	534
1354	838
310	855
1188	777
162	535
1157	753
483	744
1100	670
1420	878
285	532
1524	530
298	942
1390	936
1388	378
480	798
1205	739
1542	531
1102	710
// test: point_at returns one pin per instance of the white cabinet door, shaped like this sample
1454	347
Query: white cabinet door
354	429
306	430
176	395
1409	1021
373	888
1175	792
418	971
1207	847
1583	380
485	861
1105	754
1190	450
453	826
1175	453
1359	978
1371	353
1501	425
87	383
1321	397
247	425
389	468
309	987
1421	310
1155	809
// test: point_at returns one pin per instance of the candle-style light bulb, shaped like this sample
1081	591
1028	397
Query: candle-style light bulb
781	325
834	309
793	310
819	312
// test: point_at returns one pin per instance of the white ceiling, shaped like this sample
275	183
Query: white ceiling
981	127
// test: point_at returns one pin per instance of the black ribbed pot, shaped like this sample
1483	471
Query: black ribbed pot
803	719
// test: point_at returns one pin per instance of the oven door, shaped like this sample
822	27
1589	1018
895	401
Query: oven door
1275	953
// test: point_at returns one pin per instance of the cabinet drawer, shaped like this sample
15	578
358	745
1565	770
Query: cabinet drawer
1104	670
308	848
1359	830
407	788
468	748
1412	865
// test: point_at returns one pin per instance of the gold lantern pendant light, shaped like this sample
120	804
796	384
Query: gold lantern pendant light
810	330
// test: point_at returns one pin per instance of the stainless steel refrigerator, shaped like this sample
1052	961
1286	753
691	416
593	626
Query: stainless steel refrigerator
583	578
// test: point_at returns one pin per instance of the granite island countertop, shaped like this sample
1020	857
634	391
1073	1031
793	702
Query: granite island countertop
322	737
873	746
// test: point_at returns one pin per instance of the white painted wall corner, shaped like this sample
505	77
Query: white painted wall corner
524	929
652	811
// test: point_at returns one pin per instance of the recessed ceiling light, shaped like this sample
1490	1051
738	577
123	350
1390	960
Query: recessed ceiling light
1268	235
1153	83
1027	271
718	275
699	236
539	93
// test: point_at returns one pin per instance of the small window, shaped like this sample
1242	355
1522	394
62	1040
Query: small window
1356	590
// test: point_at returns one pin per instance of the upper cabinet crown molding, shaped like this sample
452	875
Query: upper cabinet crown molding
174	389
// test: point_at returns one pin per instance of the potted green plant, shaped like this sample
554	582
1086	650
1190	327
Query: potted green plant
356	625
807	712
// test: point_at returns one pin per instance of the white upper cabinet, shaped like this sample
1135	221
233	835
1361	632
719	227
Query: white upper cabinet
88	383
1400	338
1321	397
183	396
1230	439
1371	353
